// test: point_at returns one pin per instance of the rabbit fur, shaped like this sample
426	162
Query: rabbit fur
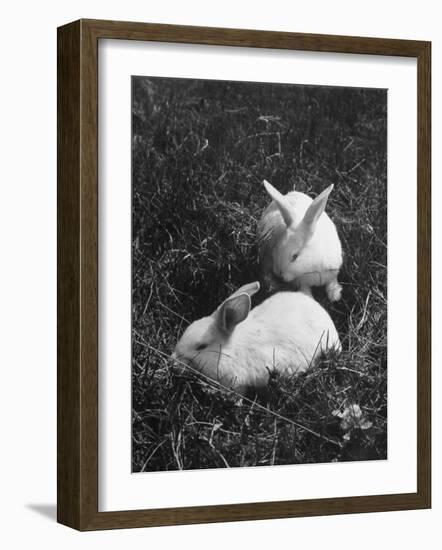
239	347
299	243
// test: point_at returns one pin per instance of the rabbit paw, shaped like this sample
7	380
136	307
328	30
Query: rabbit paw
334	291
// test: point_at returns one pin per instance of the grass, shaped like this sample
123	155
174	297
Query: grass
200	152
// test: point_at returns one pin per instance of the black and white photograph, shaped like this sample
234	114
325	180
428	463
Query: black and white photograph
218	248
259	274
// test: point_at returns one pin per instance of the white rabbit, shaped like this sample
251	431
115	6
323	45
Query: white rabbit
239	348
299	244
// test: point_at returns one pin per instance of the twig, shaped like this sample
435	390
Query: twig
355	167
148	300
175	450
275	444
215	450
362	321
171	310
353	371
349	144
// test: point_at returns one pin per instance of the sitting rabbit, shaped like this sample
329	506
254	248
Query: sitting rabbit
299	244
239	348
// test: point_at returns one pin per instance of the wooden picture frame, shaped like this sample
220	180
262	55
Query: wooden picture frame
78	274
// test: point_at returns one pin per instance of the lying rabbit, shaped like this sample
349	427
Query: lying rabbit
299	244
239	348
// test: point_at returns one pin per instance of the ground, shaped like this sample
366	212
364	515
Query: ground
200	152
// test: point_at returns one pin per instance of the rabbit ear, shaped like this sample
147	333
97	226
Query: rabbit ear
231	312
281	202
316	208
250	289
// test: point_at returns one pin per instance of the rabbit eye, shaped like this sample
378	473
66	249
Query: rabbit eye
201	347
294	257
